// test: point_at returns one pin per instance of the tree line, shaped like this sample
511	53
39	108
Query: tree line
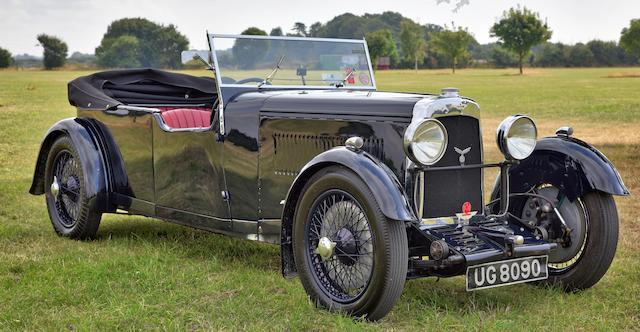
128	43
522	40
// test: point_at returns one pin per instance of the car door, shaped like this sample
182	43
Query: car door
189	181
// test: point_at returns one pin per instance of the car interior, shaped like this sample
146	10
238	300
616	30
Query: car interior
185	117
184	101
174	103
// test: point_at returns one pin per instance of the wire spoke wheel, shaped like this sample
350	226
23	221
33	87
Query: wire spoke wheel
340	245
572	241
66	181
72	213
349	256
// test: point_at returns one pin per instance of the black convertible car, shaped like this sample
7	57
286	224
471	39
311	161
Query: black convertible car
292	144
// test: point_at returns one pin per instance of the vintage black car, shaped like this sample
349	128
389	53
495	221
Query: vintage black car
292	144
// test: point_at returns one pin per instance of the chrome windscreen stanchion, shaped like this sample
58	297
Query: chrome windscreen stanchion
504	188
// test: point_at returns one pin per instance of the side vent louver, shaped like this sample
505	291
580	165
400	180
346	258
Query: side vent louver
293	151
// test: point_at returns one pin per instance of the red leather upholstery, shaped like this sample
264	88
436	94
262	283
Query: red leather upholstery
187	117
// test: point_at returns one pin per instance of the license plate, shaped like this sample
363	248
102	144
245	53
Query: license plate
513	271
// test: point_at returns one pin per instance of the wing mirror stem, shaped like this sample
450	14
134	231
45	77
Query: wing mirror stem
197	56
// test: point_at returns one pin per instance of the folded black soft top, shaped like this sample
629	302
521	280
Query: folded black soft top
109	89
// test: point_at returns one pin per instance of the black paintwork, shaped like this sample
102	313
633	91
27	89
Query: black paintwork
108	89
96	182
246	182
568	163
455	187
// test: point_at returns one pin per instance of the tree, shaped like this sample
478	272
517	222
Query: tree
502	58
277	31
551	55
247	52
124	52
314	29
605	53
55	51
520	29
579	55
381	44
253	31
453	43
630	38
159	45
412	42
5	58
300	29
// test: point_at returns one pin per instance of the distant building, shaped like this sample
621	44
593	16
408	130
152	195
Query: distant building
384	63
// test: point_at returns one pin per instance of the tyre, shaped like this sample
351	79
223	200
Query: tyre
69	211
349	257
584	253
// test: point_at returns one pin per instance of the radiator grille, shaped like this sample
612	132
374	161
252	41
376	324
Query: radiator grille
446	191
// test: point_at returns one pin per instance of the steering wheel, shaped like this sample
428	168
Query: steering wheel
227	80
252	80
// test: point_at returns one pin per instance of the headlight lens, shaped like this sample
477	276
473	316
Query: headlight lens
516	137
425	141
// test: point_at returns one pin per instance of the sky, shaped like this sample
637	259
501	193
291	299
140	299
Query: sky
81	23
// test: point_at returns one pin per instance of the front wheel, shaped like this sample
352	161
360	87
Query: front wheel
69	210
349	257
586	244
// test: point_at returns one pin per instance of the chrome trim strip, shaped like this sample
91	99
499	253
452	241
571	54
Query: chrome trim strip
299	87
420	204
138	108
340	40
373	77
219	85
156	113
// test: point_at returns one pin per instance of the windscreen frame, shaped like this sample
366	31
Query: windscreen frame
362	42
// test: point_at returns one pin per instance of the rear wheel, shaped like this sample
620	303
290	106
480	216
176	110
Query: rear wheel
69	211
350	258
587	239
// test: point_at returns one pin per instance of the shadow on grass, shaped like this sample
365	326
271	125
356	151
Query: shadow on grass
449	295
190	243
446	295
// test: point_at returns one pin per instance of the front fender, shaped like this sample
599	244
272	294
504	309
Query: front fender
570	164
386	189
387	192
89	153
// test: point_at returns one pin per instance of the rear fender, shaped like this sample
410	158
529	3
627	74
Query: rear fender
386	189
570	164
86	141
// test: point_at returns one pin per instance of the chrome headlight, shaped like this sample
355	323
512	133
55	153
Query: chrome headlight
516	137
425	141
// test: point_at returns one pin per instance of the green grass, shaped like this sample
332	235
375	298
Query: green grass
146	274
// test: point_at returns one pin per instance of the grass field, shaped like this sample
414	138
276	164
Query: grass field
146	274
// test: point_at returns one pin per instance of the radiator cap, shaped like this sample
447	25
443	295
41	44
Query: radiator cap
450	92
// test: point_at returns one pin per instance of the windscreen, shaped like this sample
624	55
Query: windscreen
265	61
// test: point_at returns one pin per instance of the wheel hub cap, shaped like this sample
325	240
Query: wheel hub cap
325	248
55	187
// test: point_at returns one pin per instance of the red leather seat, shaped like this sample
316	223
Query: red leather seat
187	117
